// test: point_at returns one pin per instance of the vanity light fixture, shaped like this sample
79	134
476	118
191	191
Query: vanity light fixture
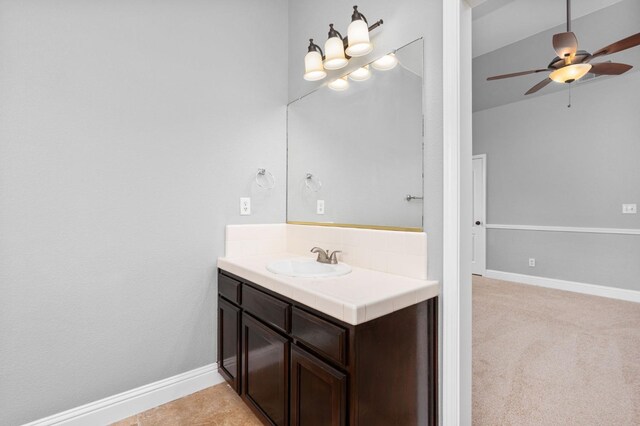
361	74
358	35
339	84
385	63
357	43
313	70
334	58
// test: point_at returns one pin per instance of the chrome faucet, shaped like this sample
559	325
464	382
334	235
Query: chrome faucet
325	257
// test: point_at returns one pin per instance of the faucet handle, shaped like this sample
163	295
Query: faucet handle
323	255
333	259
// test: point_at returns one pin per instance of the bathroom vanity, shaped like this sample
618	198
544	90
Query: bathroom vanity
305	348
295	364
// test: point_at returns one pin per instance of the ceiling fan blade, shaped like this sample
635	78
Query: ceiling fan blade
515	74
618	46
539	86
609	68
565	44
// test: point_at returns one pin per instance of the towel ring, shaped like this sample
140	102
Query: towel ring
269	181
308	181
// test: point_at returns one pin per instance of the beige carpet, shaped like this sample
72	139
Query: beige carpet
549	357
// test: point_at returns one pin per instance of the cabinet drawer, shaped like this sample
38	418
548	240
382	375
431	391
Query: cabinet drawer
267	308
322	336
229	288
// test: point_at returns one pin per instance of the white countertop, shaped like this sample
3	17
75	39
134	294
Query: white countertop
355	298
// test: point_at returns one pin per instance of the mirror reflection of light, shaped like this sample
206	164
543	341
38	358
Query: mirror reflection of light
339	84
361	74
385	63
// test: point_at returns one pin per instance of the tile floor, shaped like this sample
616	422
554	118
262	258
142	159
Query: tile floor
217	406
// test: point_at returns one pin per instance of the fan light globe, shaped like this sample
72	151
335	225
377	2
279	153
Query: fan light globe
358	35
313	70
361	74
570	73
385	63
339	84
334	54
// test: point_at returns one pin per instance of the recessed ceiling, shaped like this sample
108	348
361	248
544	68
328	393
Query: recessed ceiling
497	23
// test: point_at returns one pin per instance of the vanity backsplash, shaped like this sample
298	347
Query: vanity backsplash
394	252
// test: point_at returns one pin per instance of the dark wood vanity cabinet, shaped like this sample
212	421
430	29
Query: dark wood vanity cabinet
265	373
229	320
293	365
318	391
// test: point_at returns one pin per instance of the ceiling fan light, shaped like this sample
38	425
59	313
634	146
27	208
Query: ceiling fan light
385	63
570	73
339	84
361	74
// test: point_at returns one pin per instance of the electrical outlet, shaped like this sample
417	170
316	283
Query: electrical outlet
629	209
532	262
320	207
245	206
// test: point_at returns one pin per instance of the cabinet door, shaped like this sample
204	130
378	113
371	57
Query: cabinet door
318	391
229	318
265	370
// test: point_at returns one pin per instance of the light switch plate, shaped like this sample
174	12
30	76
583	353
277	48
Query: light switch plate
320	207
245	206
629	209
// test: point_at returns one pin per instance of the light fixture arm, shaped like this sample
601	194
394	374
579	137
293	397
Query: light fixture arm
357	15
313	46
334	33
568	16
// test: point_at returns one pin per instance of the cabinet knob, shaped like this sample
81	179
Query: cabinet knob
478	222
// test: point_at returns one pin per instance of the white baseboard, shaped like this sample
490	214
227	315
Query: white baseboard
125	404
577	287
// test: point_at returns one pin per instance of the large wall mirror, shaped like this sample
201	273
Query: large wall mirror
355	156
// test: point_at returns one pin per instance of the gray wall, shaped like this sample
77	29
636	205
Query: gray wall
552	165
404	21
129	130
365	146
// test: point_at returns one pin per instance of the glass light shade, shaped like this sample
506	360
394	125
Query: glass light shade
570	73
334	54
313	70
385	63
339	84
358	35
361	74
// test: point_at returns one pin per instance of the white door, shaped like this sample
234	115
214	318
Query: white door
478	230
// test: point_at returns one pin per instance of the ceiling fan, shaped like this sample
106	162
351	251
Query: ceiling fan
572	64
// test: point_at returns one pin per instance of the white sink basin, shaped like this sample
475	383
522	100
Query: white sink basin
307	268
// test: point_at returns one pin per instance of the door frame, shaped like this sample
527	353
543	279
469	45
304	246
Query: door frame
456	280
483	157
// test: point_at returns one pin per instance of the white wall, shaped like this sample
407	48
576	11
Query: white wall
128	132
556	166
